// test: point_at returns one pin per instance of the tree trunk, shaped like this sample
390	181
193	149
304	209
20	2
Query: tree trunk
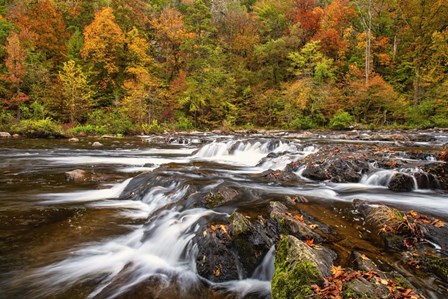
417	86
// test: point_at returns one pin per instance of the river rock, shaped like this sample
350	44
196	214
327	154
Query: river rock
223	195
215	259
16	136
252	240
401	182
292	224
77	175
298	267
97	144
4	135
73	139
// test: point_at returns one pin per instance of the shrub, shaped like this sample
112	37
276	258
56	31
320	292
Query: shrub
6	118
88	130
152	128
341	120
42	128
112	122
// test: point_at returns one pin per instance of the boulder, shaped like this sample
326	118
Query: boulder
223	195
97	144
4	135
77	175
215	260
252	240
401	182
315	172
298	267
16	136
73	140
292	224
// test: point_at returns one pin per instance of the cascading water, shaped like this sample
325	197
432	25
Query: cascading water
157	218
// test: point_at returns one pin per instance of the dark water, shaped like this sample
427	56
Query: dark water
61	239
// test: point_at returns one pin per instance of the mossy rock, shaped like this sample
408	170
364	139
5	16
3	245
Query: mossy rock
240	224
298	267
359	288
437	265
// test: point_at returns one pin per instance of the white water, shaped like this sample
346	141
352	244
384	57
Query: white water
163	246
84	196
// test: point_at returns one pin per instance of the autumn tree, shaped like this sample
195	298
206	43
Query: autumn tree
76	91
142	88
15	72
422	19
171	34
103	48
50	29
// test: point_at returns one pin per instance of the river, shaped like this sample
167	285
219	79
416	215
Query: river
136	218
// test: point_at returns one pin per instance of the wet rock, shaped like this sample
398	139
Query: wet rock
77	176
440	173
73	140
292	224
298	267
315	172
97	144
4	135
252	240
240	224
284	177
437	265
216	261
401	182
426	181
221	196
437	232
16	136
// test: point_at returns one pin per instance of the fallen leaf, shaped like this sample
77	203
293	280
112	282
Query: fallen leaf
217	271
414	214
337	271
438	223
384	281
310	242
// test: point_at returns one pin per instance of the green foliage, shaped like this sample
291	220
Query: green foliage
341	120
42	128
301	122
90	130
6	118
153	128
35	111
112	122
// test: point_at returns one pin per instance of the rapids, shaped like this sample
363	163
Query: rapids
138	217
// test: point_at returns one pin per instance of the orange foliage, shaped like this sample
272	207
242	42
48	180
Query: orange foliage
171	34
46	24
103	39
335	20
308	14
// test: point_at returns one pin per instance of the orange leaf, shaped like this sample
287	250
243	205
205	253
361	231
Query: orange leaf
438	223
414	214
310	242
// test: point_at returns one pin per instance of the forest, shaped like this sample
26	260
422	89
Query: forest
140	66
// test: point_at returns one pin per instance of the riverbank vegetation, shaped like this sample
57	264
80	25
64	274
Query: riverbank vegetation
127	67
